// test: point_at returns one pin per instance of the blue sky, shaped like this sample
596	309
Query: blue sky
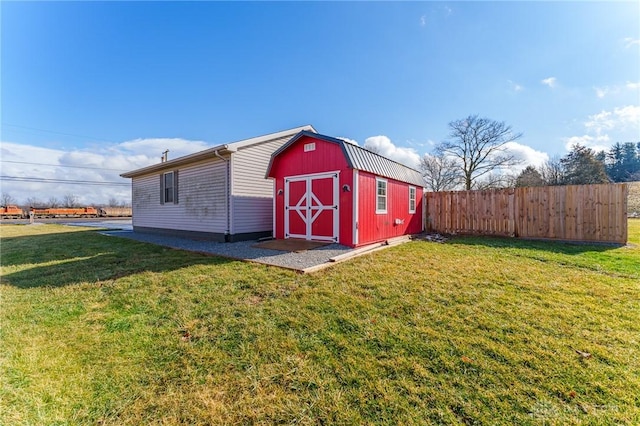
111	85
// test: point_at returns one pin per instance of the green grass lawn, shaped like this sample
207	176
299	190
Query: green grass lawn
109	331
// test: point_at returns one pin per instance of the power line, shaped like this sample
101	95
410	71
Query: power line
66	181
55	133
63	165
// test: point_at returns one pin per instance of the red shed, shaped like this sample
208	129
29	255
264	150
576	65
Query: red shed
329	190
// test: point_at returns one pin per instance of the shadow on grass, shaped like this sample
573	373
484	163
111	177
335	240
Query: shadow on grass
48	247
560	247
615	260
64	259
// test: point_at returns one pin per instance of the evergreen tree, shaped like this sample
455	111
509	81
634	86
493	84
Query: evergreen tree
614	162
530	176
623	161
581	167
631	160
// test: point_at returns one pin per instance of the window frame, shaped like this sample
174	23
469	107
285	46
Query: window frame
169	194
412	199
384	196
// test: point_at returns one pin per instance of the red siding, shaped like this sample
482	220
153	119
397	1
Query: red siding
327	157
374	227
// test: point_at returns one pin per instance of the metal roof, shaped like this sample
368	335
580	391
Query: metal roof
362	159
224	149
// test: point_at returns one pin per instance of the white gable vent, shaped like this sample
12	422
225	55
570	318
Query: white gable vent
309	147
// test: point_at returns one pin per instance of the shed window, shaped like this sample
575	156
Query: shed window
381	195
169	187
412	199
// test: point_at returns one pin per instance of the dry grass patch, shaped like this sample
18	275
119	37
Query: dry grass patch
633	201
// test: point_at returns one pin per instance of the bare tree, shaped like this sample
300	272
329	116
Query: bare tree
479	147
440	173
53	202
7	199
113	202
34	202
509	179
70	200
495	181
552	172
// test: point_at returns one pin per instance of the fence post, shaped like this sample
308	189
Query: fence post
515	211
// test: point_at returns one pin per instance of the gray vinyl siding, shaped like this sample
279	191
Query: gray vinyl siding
202	200
252	214
252	194
250	166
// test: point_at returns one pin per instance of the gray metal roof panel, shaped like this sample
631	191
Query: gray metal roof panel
368	161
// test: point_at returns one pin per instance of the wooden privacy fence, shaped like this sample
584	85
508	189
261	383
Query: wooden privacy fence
595	213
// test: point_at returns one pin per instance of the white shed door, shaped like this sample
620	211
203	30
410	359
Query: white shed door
311	207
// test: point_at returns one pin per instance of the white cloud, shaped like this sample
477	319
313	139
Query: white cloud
633	85
515	86
528	155
410	157
630	42
103	164
177	147
434	14
106	163
524	153
383	145
602	128
347	140
551	82
601	92
597	143
621	117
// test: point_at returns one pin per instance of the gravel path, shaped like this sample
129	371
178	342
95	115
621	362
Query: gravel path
124	225
242	250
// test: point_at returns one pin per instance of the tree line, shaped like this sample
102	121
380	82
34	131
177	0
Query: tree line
67	201
583	165
476	155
